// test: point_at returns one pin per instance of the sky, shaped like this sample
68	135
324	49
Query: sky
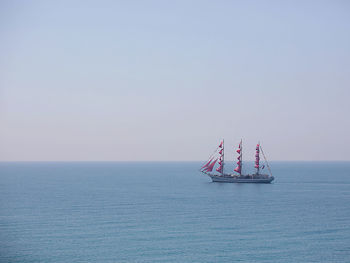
167	80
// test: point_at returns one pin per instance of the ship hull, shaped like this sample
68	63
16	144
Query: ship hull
232	179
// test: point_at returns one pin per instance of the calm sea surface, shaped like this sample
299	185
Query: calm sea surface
169	212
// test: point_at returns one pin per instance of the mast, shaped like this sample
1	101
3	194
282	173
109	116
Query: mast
257	158
238	169
223	157
220	169
241	155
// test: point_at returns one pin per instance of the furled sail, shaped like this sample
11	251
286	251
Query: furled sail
238	169
220	169
220	162
257	157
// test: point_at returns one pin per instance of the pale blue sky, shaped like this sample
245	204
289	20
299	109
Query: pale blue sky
166	80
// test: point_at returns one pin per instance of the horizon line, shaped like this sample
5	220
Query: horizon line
147	161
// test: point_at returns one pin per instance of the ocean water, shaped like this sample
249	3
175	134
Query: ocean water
169	212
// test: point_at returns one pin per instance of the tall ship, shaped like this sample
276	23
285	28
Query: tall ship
217	158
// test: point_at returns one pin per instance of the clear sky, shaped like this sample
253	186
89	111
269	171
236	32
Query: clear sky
166	80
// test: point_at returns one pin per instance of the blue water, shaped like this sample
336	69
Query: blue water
169	212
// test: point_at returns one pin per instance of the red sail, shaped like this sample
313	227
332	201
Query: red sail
219	169
257	158
211	166
220	152
238	169
206	165
221	144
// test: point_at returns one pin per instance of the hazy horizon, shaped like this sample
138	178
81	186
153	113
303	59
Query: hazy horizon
166	81
182	161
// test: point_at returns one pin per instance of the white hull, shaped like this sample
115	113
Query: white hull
263	179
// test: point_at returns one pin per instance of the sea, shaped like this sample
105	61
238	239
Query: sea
60	212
